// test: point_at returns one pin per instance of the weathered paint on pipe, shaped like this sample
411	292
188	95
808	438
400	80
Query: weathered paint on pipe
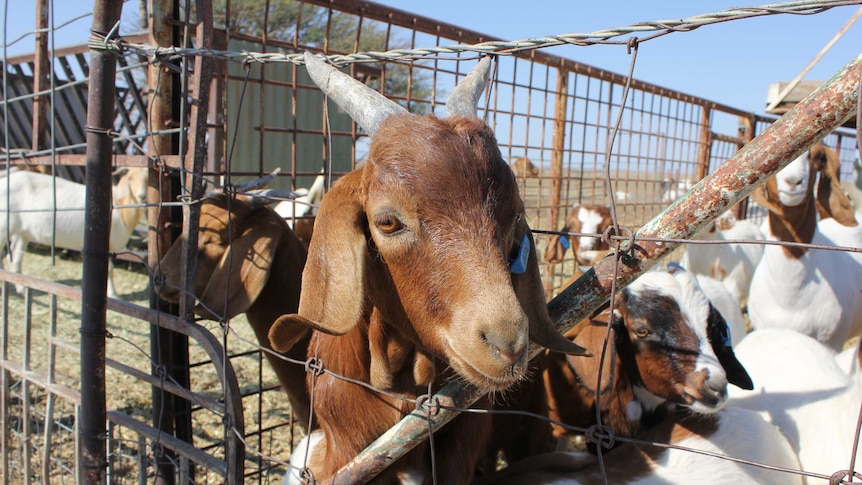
808	122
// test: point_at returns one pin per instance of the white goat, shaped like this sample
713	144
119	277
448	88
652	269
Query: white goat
801	388
34	217
725	299
732	432
301	206
733	263
672	189
816	292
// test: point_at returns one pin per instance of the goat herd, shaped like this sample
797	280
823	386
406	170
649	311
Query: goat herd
422	270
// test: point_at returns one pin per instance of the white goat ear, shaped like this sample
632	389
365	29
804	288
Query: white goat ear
332	282
244	268
528	288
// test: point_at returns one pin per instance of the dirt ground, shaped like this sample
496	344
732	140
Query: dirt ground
266	414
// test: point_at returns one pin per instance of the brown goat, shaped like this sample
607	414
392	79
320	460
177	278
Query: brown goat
421	270
523	168
590	219
249	261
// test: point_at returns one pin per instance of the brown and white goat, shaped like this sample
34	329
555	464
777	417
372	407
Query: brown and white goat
249	261
812	291
49	210
668	345
421	270
587	219
665	378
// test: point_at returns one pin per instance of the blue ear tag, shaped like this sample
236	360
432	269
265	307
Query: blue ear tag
564	242
518	264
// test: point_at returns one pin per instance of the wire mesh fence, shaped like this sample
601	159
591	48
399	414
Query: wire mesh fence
214	411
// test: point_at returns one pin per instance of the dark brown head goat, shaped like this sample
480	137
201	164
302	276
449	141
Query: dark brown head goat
422	268
249	261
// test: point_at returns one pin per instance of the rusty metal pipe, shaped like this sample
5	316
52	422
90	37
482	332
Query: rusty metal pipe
808	122
97	228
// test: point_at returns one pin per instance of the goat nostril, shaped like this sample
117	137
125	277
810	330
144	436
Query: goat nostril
509	352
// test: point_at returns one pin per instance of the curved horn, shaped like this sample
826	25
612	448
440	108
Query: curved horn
367	107
465	97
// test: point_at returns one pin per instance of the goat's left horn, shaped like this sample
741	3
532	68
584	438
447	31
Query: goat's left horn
464	99
367	107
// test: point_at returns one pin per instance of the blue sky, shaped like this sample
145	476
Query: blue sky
731	63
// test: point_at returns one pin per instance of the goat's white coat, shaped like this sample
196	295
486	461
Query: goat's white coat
818	294
672	189
741	434
291	210
32	218
590	221
725	299
801	387
306	447
738	260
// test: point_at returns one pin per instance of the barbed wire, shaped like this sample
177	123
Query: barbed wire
654	29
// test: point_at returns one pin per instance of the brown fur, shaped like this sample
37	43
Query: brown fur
831	199
555	251
253	246
128	188
790	224
408	273
523	168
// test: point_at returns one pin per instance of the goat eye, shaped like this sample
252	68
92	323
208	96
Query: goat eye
388	224
642	332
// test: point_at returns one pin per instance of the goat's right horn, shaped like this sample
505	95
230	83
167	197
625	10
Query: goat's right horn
367	107
464	98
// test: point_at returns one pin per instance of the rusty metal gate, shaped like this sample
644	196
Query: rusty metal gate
238	109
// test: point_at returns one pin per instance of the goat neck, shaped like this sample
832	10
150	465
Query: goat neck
795	223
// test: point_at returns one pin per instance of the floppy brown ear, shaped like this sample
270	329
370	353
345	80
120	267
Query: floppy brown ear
244	268
288	330
332	282
555	251
528	288
831	199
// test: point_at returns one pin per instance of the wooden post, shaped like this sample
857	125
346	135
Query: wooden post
41	81
746	134
559	143
163	109
705	149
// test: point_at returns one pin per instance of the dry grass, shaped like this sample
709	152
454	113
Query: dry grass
130	345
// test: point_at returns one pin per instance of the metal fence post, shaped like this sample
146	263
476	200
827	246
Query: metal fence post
97	225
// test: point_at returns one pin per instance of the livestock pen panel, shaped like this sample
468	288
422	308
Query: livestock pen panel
557	113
